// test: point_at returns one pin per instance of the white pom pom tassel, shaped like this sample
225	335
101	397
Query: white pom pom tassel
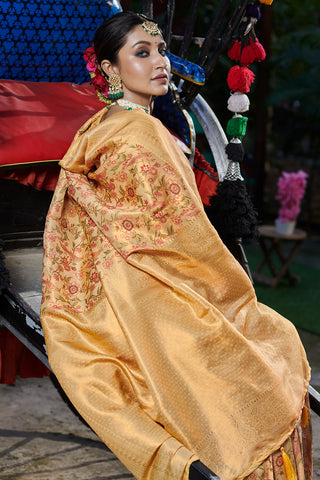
238	102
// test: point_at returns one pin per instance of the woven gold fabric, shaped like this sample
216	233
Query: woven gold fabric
152	327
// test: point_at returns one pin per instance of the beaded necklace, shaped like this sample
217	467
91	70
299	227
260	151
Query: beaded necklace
130	105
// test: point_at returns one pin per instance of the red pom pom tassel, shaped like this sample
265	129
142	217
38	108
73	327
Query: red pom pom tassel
253	52
240	79
234	51
248	55
260	52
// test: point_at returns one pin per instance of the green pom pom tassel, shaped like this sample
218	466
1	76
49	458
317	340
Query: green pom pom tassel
236	126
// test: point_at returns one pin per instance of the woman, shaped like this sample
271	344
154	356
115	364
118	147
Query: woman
152	327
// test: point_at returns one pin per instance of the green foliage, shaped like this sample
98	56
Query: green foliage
295	71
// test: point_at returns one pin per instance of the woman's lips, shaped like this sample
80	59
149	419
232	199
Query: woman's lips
163	78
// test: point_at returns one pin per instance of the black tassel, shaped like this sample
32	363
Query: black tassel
235	151
231	211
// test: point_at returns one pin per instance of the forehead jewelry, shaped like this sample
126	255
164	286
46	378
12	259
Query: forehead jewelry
151	28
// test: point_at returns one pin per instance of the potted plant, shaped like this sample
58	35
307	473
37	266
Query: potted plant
291	189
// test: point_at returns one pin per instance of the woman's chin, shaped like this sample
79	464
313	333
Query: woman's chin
161	91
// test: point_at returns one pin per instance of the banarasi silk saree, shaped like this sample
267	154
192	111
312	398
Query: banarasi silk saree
152	327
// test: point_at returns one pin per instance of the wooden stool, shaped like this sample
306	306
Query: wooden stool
270	242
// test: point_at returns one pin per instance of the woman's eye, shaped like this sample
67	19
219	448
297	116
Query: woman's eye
142	53
163	52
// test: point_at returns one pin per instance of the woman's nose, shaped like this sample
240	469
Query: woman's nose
161	61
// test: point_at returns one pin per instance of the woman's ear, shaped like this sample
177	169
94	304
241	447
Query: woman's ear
108	68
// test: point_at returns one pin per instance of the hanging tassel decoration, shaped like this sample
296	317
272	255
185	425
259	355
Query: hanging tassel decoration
238	102
248	55
235	150
260	53
240	79
253	11
288	468
235	50
248	51
253	52
251	17
236	126
231	211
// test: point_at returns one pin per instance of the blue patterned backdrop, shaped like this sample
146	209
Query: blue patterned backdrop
44	40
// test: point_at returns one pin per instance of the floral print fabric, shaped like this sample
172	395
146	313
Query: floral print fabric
299	449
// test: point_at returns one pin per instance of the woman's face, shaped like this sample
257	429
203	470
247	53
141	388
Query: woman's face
143	67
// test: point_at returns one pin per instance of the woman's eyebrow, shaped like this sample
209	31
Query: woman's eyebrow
145	42
141	42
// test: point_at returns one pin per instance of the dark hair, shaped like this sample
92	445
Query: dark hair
112	33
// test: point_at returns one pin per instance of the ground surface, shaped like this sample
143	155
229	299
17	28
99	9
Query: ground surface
41	439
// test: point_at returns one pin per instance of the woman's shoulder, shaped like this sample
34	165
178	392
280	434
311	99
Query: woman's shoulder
134	124
128	127
134	119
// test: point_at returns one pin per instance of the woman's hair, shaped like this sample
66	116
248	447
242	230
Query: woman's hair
112	34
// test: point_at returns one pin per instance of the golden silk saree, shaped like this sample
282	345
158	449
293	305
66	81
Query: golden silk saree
152	327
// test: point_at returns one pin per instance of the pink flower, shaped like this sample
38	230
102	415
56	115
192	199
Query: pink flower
91	59
128	225
97	77
108	263
145	168
66	263
99	82
291	189
122	176
95	277
73	289
159	241
174	188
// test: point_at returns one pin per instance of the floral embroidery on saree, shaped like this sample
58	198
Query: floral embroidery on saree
130	201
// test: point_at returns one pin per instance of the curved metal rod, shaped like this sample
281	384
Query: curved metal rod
314	399
214	133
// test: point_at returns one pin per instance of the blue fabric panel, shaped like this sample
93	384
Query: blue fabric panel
187	70
167	110
43	40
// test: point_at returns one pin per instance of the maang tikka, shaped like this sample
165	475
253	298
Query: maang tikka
151	28
115	86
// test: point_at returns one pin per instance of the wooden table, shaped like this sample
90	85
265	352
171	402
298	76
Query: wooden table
271	244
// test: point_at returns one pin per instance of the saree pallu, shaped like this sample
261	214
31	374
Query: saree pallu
152	327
